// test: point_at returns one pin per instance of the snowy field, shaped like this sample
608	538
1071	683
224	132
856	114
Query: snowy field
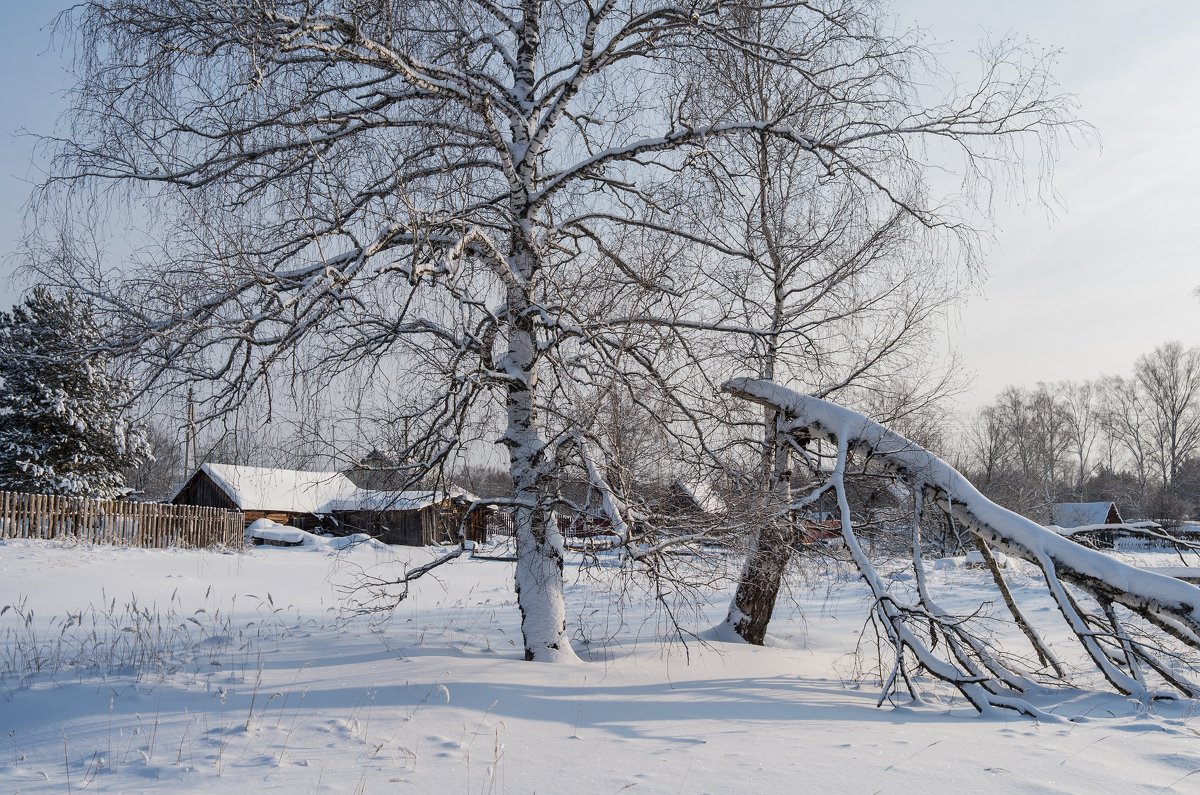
127	670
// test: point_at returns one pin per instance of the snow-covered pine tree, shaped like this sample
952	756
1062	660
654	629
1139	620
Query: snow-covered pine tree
62	430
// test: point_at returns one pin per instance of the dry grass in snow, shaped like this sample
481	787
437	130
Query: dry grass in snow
196	671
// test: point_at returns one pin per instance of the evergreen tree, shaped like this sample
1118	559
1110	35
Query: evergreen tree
61	424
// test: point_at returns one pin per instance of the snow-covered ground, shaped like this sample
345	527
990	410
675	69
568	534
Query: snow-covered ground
201	671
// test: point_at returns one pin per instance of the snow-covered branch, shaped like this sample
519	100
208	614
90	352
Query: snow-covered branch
1159	600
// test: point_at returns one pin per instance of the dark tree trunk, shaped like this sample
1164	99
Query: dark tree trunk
758	588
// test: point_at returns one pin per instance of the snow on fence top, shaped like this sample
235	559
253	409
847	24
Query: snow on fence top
315	492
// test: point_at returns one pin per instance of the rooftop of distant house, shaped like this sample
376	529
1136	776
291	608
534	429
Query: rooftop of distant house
311	492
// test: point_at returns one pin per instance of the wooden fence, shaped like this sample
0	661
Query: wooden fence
130	524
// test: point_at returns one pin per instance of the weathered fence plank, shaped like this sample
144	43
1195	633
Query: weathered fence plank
136	524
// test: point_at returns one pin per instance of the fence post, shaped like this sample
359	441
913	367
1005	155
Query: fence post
87	525
50	512
30	530
59	516
108	524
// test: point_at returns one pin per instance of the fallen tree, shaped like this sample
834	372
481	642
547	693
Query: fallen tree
1136	626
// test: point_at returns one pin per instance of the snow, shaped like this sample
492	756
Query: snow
973	558
273	688
1186	573
315	492
268	530
377	500
290	490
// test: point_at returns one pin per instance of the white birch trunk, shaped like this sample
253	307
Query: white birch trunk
539	570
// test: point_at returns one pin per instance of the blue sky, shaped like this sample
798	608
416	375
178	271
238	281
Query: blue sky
1110	276
31	97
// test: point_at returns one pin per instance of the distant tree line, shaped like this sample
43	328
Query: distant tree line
1134	440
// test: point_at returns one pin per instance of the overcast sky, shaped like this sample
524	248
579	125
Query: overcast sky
1112	275
1109	277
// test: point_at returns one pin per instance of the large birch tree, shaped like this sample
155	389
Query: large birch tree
486	190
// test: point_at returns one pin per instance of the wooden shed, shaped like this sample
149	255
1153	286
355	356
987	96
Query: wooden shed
286	496
414	522
329	501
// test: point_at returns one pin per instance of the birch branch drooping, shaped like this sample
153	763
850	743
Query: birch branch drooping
1165	603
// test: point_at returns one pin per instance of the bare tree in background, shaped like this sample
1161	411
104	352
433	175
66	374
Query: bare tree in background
1023	445
830	284
460	184
1170	380
1081	409
157	478
1126	421
1118	438
986	444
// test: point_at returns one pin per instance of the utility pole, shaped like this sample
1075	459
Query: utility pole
189	443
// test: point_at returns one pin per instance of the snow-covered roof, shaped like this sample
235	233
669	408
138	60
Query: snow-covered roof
379	500
702	495
301	491
1078	514
269	489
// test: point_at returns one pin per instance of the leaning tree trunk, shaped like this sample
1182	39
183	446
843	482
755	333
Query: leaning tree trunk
759	584
770	550
1158	610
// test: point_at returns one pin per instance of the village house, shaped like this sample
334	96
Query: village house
1100	524
1083	514
319	501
